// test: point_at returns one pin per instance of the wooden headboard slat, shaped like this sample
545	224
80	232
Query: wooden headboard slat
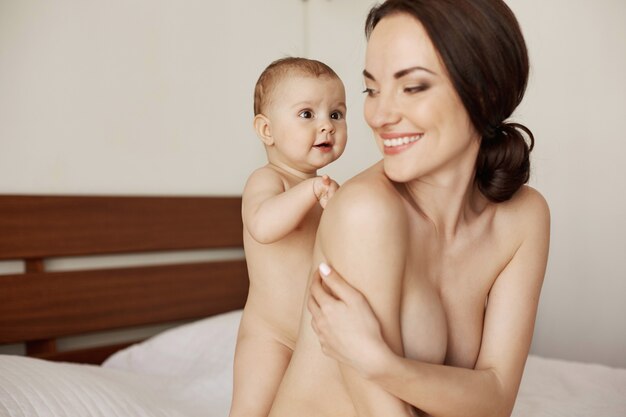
95	355
54	226
41	306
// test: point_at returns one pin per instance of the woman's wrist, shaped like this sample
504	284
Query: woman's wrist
379	364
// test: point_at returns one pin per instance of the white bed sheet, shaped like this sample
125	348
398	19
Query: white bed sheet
31	387
187	371
558	388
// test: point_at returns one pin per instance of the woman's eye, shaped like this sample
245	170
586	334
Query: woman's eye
306	114
337	115
369	91
415	89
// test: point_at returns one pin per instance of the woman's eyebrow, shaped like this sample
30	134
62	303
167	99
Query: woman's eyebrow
404	72
400	73
368	75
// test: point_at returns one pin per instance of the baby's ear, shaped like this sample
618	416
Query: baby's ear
263	129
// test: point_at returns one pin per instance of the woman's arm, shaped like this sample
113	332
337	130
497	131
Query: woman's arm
365	238
491	387
270	213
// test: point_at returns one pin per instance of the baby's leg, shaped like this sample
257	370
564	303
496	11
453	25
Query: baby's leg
260	363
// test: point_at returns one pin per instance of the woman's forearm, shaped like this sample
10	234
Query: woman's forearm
440	390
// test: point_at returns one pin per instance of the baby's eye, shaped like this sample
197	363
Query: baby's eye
306	114
336	115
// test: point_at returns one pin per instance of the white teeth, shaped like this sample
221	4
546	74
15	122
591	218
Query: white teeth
401	141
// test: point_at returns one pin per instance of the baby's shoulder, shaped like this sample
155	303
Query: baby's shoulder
264	178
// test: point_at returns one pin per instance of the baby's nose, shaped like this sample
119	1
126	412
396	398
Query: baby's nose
327	127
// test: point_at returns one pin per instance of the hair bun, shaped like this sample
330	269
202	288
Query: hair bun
503	163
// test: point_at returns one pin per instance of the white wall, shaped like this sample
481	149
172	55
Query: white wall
576	106
155	97
134	96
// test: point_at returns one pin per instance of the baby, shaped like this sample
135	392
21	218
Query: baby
299	107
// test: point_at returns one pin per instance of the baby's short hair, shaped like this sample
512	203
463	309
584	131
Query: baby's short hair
277	70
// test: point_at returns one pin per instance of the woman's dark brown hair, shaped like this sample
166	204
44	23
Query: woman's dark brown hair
482	47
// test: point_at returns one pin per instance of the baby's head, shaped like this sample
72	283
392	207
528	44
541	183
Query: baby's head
299	114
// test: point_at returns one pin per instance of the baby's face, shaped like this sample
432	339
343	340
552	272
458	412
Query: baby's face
308	124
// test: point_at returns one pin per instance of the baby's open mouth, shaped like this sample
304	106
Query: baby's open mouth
323	145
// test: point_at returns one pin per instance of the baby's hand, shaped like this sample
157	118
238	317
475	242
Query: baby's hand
324	188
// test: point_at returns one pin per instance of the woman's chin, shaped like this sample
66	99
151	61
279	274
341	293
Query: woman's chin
397	173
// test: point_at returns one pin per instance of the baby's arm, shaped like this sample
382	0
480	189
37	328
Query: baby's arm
270	213
324	188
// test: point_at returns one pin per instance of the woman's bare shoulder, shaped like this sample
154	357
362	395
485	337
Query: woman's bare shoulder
369	195
364	227
527	211
526	202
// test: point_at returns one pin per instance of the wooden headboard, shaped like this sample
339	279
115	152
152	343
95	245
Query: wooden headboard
39	306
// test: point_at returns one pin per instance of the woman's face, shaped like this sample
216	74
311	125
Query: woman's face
417	117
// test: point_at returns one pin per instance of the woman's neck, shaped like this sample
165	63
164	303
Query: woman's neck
449	198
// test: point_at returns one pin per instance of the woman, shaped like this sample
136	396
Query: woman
441	248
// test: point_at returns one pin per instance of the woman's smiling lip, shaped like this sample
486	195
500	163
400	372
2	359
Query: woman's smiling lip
394	143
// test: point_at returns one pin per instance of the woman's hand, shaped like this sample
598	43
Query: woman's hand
345	324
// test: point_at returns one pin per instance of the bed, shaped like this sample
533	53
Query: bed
187	369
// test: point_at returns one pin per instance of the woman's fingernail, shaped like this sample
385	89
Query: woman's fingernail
324	269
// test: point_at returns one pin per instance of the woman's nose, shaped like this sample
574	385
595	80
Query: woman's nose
382	111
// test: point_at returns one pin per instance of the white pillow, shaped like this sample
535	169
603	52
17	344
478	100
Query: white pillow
200	353
203	347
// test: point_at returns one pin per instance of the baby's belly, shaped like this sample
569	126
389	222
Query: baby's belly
273	315
277	287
